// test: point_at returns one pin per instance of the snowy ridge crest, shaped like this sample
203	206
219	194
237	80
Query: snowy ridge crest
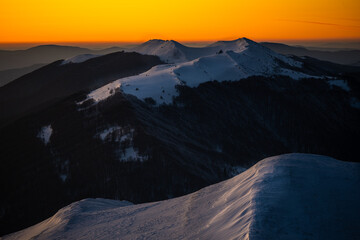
221	61
291	196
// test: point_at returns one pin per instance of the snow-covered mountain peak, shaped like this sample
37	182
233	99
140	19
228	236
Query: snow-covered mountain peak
237	45
160	43
242	40
153	41
169	51
222	61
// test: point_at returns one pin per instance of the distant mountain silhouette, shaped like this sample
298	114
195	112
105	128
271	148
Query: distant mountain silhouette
357	64
348	57
55	81
44	54
9	75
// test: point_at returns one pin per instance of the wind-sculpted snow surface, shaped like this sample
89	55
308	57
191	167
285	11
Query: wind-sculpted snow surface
292	196
222	61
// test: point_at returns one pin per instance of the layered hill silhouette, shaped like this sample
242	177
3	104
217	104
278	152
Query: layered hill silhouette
54	82
10	59
347	57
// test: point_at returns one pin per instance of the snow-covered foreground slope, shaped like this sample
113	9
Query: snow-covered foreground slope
222	61
292	196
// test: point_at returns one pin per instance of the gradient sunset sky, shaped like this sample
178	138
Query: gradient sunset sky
185	20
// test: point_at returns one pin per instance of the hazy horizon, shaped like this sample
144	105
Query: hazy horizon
319	43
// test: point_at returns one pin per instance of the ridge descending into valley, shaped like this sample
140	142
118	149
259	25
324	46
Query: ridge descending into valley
143	128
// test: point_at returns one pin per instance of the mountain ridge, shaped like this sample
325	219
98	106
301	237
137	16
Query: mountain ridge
272	199
347	57
225	60
55	81
42	54
129	147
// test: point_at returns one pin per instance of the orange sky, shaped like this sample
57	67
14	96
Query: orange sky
185	20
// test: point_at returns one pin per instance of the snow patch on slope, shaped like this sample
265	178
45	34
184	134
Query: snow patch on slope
124	136
79	58
45	134
131	154
158	83
341	84
106	133
292	196
63	177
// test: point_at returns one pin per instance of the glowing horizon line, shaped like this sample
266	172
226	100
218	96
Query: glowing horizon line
191	41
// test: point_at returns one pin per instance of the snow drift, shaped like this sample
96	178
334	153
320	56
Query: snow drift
292	196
